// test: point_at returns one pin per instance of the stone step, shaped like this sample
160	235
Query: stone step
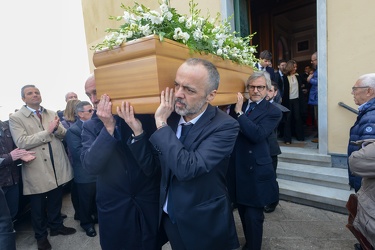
303	156
321	176
327	198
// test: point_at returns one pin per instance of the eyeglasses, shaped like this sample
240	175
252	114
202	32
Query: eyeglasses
259	88
361	87
313	60
90	110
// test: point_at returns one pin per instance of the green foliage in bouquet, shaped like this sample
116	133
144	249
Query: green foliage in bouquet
202	35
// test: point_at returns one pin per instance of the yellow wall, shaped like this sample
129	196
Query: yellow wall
96	13
351	53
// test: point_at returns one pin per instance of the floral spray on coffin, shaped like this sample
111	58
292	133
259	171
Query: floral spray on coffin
138	60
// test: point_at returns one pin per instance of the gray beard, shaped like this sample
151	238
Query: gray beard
188	111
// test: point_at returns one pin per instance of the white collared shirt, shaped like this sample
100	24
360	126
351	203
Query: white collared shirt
34	110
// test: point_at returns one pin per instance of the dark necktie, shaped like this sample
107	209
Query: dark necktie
39	115
185	128
251	107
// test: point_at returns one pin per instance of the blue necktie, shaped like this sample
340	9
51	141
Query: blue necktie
251	107
185	128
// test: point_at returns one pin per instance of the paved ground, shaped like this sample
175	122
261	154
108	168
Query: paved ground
290	227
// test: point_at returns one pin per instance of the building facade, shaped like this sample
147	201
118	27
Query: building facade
340	30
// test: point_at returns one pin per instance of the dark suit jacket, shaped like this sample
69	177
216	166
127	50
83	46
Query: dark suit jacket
255	182
270	71
74	143
272	139
274	144
127	185
203	213
280	82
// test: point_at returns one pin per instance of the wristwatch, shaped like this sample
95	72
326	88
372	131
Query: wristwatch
239	114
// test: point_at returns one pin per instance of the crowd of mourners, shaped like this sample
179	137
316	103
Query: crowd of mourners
175	175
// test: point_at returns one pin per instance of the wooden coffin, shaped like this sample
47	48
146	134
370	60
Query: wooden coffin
140	69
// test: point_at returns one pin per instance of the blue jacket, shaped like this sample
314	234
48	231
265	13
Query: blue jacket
269	70
127	183
363	128
73	140
194	174
254	182
313	96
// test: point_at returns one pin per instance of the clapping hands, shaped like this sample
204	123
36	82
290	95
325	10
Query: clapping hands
22	154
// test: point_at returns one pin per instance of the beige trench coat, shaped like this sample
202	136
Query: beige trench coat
39	175
362	163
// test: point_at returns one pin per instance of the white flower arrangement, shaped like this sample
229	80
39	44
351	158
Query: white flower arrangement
199	34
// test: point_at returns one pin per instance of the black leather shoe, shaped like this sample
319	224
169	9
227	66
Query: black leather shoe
43	244
91	232
63	231
270	208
